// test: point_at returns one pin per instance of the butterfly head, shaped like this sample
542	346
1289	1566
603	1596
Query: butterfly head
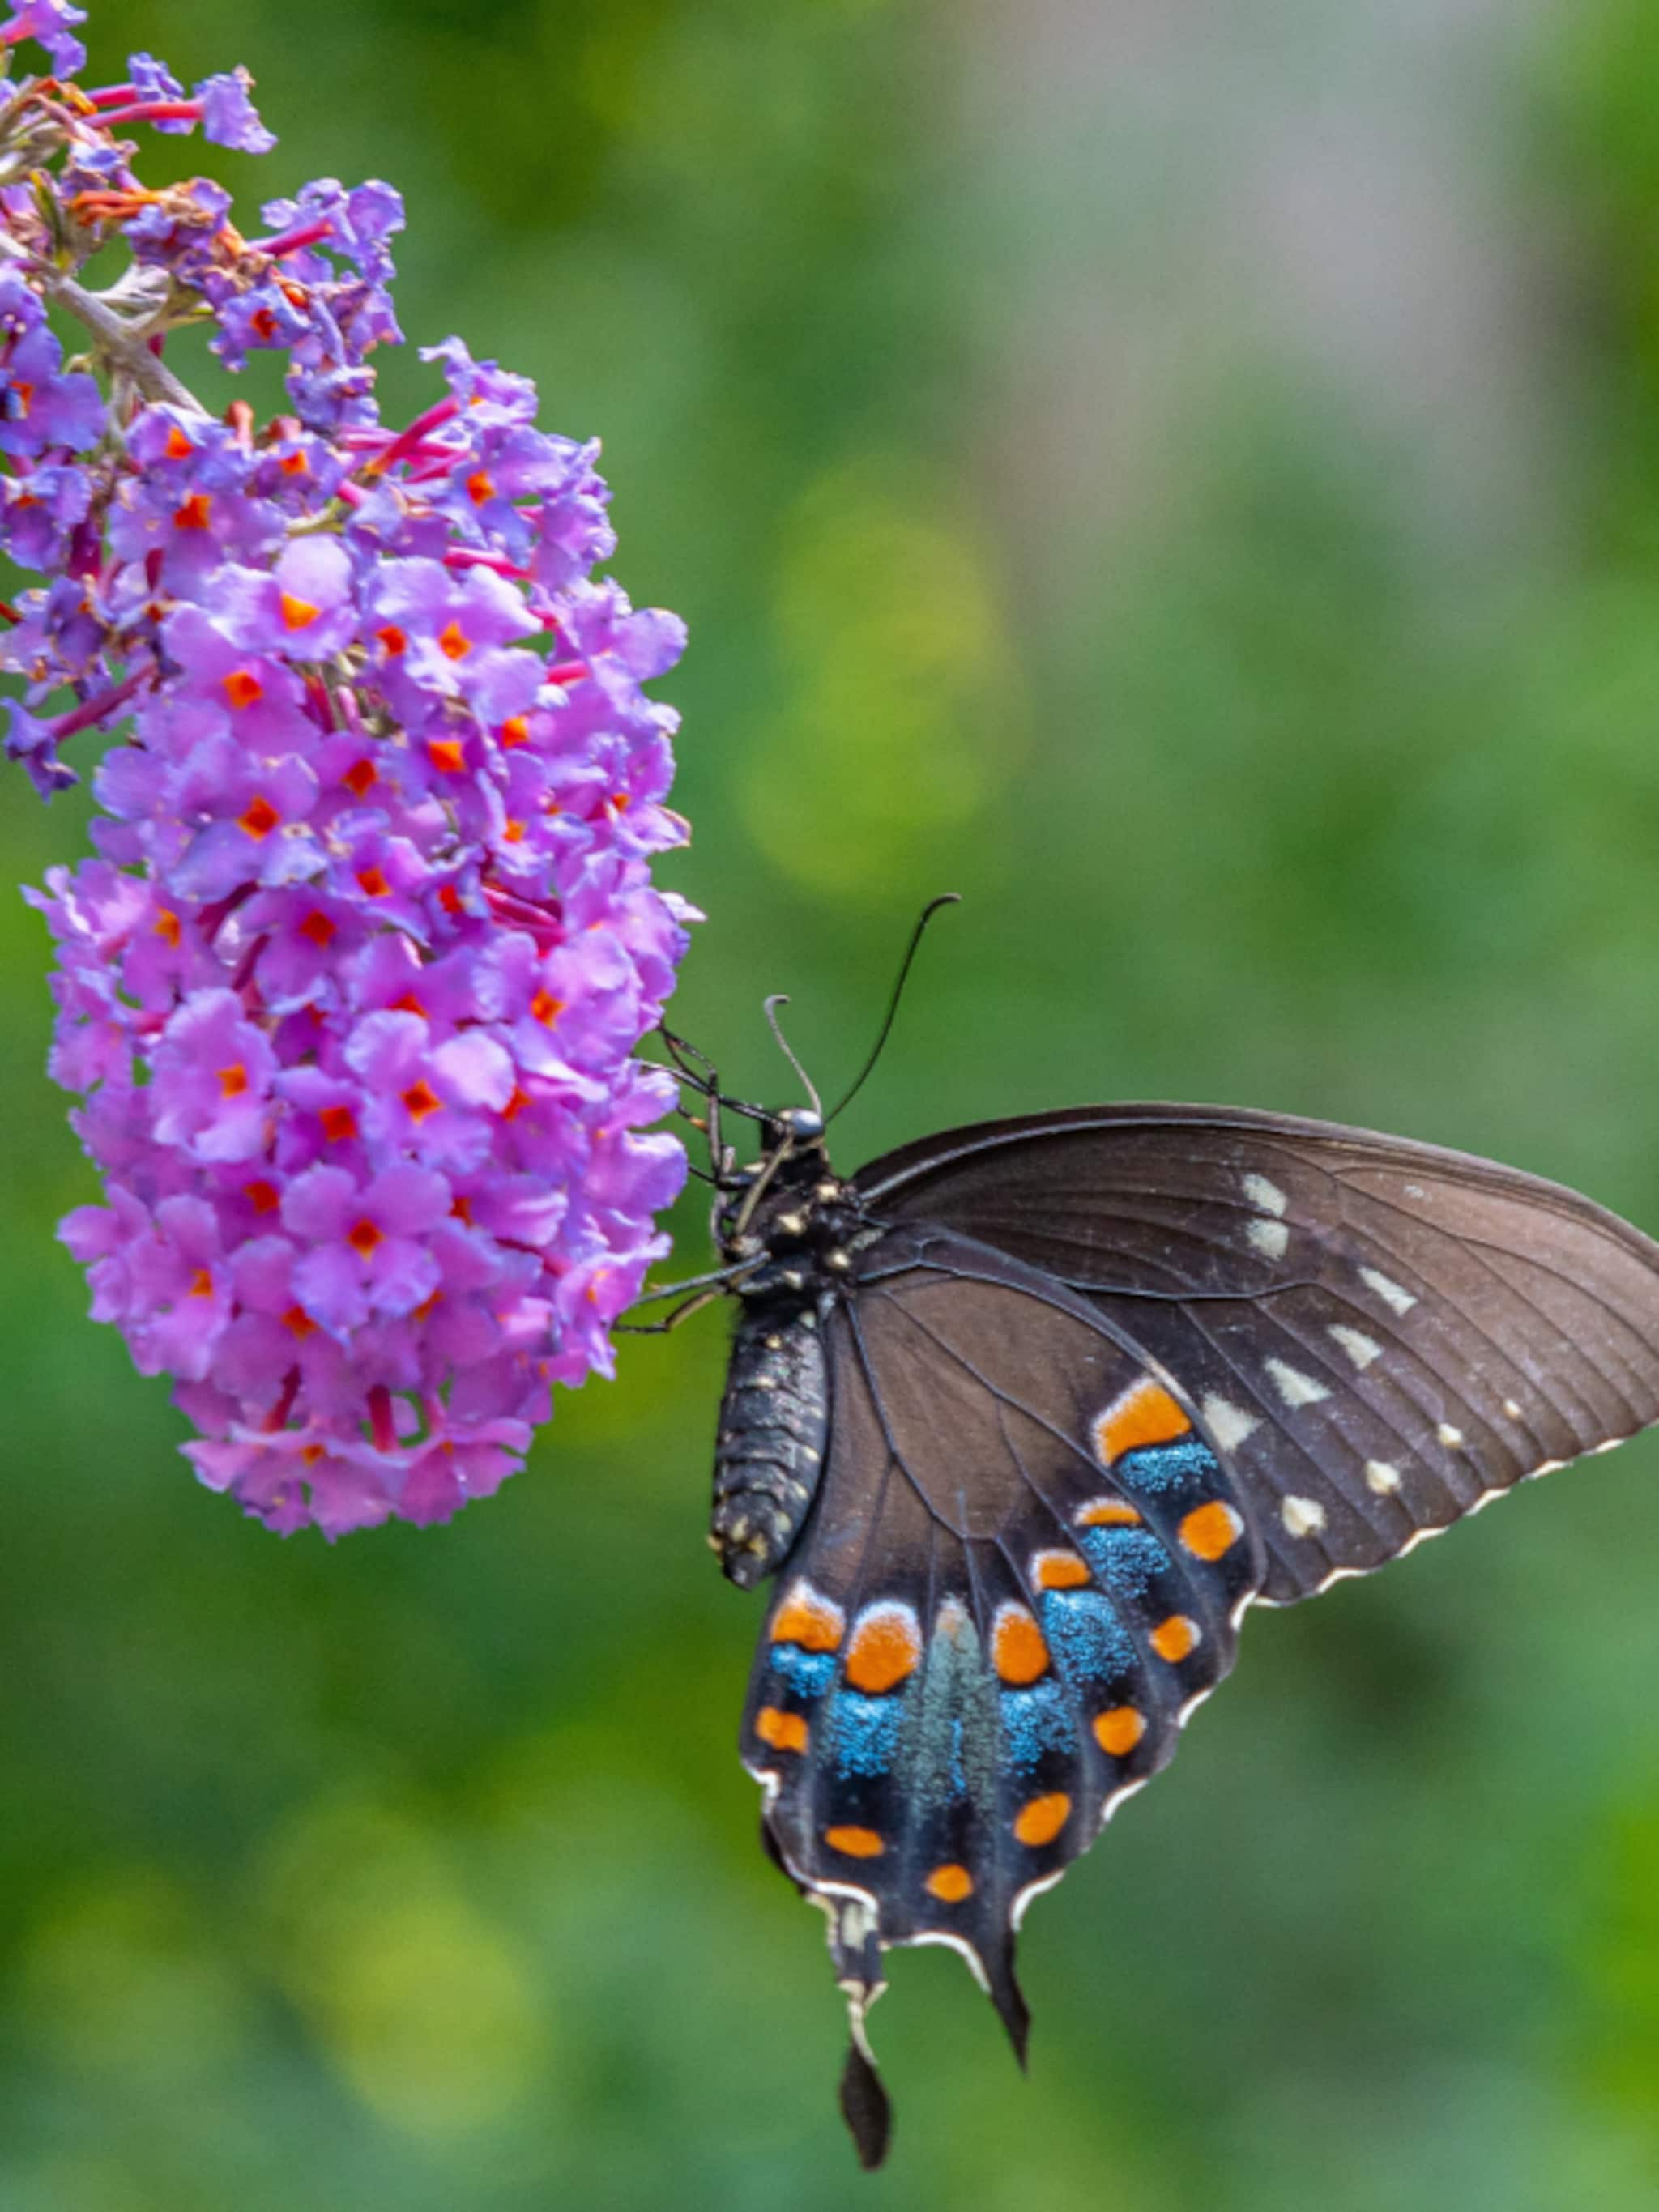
788	1215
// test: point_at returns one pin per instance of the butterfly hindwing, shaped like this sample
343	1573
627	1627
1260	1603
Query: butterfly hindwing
1379	1336
1022	1567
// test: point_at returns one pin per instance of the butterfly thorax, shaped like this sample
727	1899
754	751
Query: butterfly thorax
792	1227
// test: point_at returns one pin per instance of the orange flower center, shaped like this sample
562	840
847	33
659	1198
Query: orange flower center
364	1237
242	688
339	1122
317	927
446	755
359	777
421	1099
194	512
373	883
298	614
260	819
454	641
232	1081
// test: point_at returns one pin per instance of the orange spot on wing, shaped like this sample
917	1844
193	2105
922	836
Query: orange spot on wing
1120	1731
1172	1639
1209	1530
885	1647
1059	1571
854	1842
950	1884
1017	1651
1041	1820
808	1617
783	1731
1144	1414
1108	1513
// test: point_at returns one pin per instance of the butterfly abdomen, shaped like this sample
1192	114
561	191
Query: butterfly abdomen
773	1419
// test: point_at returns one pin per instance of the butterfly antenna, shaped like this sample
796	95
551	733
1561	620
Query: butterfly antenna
945	898
782	999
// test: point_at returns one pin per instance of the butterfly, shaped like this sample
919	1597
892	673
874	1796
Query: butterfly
1023	1417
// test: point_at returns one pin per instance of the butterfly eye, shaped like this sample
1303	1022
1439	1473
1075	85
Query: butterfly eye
803	1124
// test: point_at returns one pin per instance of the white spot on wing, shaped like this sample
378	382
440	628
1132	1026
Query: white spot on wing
1511	1409
1360	1348
1382	1477
1265	1194
1389	1292
1269	1238
1228	1423
1295	1388
1450	1436
1302	1517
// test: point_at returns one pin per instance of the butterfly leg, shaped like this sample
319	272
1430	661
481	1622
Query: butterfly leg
681	1312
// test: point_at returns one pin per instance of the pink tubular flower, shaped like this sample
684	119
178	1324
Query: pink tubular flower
351	995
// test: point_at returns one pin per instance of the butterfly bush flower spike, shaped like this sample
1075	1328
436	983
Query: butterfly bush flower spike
350	992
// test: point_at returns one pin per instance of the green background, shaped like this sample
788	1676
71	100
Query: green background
1188	479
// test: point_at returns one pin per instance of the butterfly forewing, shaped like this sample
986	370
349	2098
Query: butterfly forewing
1377	1336
1024	1566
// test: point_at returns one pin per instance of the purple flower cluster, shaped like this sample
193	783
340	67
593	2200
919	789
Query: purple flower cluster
351	992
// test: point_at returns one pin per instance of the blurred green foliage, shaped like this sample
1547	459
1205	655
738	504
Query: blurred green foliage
1267	642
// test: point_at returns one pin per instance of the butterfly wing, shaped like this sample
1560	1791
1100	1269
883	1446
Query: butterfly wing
1022	1568
1380	1336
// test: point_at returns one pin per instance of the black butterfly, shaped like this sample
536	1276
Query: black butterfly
1025	1416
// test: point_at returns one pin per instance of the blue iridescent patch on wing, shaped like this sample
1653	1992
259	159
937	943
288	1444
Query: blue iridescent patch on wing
809	1674
864	1732
1089	1642
1154	1468
1035	1721
1127	1560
